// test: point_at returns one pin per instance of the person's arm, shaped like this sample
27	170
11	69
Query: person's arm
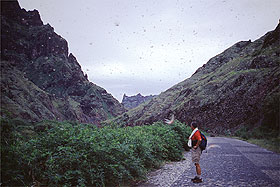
199	139
197	144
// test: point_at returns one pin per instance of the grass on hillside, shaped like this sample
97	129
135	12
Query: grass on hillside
269	144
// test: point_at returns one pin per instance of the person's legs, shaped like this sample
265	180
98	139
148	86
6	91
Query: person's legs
197	178
198	169
196	153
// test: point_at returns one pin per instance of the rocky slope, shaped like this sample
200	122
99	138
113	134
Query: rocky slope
130	102
40	79
239	87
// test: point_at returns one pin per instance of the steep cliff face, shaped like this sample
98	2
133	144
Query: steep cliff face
130	102
239	87
40	79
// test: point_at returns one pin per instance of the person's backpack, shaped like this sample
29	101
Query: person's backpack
203	143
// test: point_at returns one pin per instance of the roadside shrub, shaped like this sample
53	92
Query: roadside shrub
70	154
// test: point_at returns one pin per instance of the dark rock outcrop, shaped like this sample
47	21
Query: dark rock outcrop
130	102
40	79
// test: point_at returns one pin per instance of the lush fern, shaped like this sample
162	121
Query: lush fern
67	153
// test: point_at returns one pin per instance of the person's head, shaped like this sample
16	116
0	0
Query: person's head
193	125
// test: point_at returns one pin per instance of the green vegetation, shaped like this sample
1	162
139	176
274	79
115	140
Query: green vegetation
261	138
272	144
69	154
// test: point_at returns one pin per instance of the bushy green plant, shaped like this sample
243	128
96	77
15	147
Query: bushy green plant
67	153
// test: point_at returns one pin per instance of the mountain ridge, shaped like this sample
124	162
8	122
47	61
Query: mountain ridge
238	87
42	62
41	80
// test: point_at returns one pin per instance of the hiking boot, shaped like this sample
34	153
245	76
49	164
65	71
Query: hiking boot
196	180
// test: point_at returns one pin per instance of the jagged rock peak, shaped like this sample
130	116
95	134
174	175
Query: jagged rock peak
130	102
12	10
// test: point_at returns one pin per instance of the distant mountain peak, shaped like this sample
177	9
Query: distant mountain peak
130	102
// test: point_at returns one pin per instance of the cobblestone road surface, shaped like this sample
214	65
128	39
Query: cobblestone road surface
230	163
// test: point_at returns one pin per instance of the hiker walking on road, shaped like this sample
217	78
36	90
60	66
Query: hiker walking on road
194	142
197	145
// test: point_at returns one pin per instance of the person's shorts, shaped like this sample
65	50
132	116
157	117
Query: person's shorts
196	153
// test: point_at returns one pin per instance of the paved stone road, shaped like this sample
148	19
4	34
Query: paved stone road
230	163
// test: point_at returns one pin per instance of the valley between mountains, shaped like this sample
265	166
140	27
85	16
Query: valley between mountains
60	129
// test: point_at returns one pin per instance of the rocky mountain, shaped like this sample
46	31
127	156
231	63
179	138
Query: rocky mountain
239	87
130	102
40	79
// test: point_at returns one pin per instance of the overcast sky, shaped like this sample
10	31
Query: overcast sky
147	46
